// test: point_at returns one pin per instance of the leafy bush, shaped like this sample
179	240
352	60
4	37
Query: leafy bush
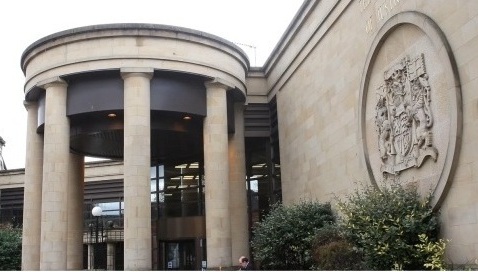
333	252
393	227
10	248
327	234
283	239
432	252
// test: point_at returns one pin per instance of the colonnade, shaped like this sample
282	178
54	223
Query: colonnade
54	177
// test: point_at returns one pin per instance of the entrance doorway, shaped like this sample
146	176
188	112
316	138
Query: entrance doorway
179	255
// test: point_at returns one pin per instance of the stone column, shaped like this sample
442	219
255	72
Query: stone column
237	189
32	191
110	256
75	212
54	215
137	161
216	171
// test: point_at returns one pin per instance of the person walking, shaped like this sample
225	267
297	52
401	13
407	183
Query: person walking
245	264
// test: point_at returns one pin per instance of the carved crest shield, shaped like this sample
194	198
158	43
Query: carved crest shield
403	116
402	132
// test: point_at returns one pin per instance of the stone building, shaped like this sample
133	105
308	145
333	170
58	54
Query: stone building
202	143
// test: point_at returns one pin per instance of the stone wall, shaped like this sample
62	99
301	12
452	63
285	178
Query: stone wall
335	68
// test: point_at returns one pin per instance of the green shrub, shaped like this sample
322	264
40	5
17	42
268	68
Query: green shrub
327	234
389	224
333	252
283	239
338	255
432	252
10	248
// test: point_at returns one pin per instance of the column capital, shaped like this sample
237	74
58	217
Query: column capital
53	81
218	83
241	104
29	104
137	71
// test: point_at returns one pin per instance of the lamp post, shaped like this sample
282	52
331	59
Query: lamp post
96	211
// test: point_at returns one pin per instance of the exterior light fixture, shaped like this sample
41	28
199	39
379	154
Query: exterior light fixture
111	115
187	117
97	212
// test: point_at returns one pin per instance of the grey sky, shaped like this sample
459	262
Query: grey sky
259	23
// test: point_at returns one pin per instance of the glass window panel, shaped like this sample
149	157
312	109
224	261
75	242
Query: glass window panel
161	197
178	192
173	257
111	213
160	171
153	172
254	185
109	206
153	185
153	197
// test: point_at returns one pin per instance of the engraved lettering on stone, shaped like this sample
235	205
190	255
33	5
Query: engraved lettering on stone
364	4
383	9
404	118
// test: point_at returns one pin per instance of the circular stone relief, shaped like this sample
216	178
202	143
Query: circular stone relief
410	106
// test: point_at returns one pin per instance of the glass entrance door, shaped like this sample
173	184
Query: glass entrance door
180	255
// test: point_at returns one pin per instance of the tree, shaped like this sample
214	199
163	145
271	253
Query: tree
283	240
10	248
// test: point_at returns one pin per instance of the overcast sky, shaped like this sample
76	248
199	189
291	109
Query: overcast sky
258	23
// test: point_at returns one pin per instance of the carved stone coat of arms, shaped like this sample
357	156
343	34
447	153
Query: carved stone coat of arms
404	118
